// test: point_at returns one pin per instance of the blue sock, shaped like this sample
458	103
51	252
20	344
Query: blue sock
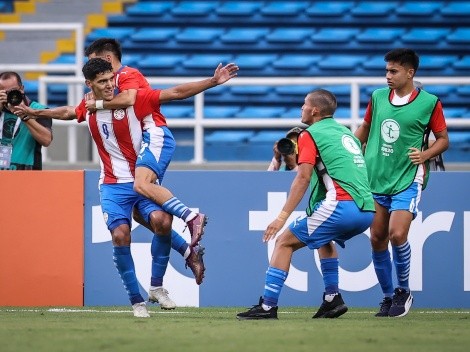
125	266
383	270
178	243
273	285
329	270
401	259
174	207
160	250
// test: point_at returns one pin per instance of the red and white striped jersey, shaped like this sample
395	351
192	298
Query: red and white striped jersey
118	134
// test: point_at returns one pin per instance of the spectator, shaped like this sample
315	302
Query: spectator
287	159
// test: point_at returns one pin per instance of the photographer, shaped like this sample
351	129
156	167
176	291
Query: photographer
285	152
20	141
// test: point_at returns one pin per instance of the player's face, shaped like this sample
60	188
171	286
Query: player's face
307	111
103	86
398	76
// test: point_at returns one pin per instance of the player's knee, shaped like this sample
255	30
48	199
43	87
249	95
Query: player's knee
161	222
121	236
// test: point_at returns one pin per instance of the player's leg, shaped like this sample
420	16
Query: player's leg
158	146
381	259
276	275
116	203
404	209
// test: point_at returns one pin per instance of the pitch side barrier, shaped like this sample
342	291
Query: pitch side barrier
240	205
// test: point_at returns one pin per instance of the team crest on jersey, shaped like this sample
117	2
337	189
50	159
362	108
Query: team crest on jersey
119	114
390	130
350	144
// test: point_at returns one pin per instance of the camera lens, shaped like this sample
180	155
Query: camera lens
15	97
285	146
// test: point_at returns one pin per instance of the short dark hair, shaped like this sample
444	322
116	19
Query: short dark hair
324	100
405	57
102	45
96	66
9	74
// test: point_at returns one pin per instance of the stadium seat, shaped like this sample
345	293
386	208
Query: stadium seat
425	35
238	8
165	61
206	61
464	90
296	90
374	9
418	9
342	113
296	61
251	90
244	35
260	112
459	36
131	59
254	61
455	112
440	90
375	63
329	9
283	8
228	137
215	112
463	63
177	111
294	112
335	35
342	62
147	8
119	34
269	137
456	9
289	35
194	8
198	35
436	62
153	35
379	35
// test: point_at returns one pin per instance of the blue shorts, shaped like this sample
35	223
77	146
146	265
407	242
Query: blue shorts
331	220
117	201
158	146
406	200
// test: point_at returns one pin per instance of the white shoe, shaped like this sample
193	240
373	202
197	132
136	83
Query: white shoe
140	310
160	295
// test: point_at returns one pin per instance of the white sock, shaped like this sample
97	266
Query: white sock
187	253
265	307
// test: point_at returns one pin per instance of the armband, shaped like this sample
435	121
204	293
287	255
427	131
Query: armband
99	105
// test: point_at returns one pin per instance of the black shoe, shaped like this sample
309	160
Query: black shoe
384	307
257	312
401	303
332	309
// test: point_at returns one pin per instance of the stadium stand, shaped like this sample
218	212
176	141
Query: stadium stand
284	39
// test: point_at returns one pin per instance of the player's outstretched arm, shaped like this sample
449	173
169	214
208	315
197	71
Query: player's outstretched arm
221	75
58	113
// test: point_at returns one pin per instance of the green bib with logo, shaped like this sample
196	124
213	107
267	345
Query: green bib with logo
394	129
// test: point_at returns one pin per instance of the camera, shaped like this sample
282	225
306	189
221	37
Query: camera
285	146
15	97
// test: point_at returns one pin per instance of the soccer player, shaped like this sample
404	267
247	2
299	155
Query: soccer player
397	122
118	137
340	206
128	81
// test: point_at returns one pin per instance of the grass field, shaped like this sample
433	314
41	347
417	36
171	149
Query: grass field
217	329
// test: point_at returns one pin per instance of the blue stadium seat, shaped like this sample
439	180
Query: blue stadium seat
283	8
296	61
206	61
379	35
238	8
254	61
342	62
342	113
456	9
153	35
194	8
459	36
65	59
251	90
177	111
335	35
296	90
147	8
418	9
425	35
114	32
289	35
463	63
436	62
374	9
215	112
269	137
198	35
164	61
375	63
244	35
464	90
260	112
455	112
440	90
295	112
329	9
228	137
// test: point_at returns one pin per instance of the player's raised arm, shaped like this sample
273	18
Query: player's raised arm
221	75
58	113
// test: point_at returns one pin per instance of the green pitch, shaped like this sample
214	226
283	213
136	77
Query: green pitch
217	329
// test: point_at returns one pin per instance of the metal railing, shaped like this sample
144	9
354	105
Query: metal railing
199	123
